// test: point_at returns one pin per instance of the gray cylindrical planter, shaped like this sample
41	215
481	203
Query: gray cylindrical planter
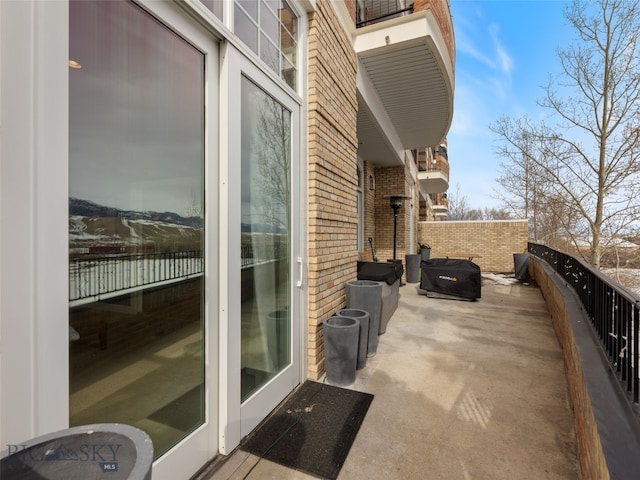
367	295
521	266
278	338
425	252
341	349
363	335
125	452
413	268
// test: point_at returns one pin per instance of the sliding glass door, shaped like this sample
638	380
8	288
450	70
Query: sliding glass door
142	164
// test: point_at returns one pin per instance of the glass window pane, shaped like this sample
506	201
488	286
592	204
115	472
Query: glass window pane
269	23
278	27
215	6
289	73
269	53
136	157
289	21
245	28
250	7
265	250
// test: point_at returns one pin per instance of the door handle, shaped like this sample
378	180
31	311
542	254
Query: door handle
300	271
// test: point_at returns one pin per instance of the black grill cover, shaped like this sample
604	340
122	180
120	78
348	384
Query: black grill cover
451	276
380	272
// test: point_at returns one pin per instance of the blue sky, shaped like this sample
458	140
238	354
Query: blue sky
505	52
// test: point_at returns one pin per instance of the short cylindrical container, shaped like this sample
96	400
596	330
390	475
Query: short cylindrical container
425	252
363	318
413	268
341	349
367	295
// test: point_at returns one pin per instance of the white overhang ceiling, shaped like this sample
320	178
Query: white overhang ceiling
405	87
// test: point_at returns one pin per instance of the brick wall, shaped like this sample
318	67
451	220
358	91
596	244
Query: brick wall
332	194
369	229
593	465
390	181
492	243
440	10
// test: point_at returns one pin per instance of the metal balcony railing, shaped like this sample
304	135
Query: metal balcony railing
614	313
103	276
107	275
369	12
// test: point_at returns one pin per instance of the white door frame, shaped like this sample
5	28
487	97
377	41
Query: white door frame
185	458
34	349
237	420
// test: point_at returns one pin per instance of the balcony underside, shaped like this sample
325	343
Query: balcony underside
433	182
405	87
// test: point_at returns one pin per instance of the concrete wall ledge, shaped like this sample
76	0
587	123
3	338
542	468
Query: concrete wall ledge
607	429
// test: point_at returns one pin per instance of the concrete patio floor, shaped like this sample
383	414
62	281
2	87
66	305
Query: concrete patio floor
463	390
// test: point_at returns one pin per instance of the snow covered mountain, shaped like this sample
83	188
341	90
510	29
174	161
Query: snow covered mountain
93	225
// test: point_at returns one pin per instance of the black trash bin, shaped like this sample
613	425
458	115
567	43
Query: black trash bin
105	450
521	266
425	252
413	268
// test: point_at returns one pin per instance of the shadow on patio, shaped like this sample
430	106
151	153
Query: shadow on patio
463	390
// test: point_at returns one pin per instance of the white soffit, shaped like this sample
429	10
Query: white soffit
408	65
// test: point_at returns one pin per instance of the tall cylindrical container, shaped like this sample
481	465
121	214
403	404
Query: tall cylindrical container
413	268
341	349
367	295
363	318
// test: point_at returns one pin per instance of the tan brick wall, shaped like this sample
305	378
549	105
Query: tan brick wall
369	210
390	181
492	243
440	10
332	228
591	457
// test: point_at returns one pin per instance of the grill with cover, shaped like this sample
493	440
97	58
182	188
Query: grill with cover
452	277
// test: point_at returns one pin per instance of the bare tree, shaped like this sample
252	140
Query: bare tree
588	159
496	214
458	205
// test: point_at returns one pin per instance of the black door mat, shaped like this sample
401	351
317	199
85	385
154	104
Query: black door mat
313	430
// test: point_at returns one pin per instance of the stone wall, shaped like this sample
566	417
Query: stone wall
490	243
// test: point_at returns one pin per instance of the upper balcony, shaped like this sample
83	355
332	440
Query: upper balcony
405	77
433	170
440	205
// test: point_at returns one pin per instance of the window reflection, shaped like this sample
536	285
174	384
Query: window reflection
136	152
270	29
266	216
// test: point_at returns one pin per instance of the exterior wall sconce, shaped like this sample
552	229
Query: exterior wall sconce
371	182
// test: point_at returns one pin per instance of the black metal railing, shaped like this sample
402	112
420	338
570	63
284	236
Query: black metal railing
373	11
102	275
613	310
94	276
262	253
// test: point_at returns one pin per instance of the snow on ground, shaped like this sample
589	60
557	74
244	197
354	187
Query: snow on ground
627	277
500	279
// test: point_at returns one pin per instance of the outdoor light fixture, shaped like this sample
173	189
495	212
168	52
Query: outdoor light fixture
395	202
